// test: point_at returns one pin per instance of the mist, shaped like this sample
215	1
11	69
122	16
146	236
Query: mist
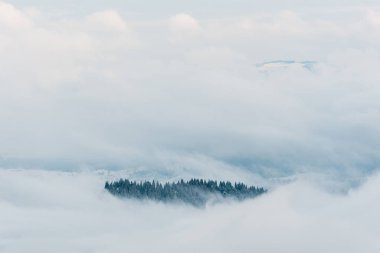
43	211
280	95
105	91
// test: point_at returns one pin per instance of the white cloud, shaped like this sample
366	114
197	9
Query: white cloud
110	20
51	53
11	17
62	212
183	22
102	90
182	96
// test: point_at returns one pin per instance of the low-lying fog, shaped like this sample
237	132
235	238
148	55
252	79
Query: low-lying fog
283	95
43	211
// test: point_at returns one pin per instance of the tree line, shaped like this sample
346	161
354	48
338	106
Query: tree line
195	191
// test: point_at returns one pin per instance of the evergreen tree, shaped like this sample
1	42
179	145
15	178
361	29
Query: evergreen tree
195	191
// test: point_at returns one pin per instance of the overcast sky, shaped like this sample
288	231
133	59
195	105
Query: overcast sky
204	8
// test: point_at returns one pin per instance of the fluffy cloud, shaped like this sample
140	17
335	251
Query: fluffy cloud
103	90
64	212
184	22
12	17
110	20
183	96
38	52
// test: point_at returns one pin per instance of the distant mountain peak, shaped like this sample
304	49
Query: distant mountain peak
285	64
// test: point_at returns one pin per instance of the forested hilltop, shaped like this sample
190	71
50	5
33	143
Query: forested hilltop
195	191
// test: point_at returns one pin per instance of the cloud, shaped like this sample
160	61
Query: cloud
106	91
47	53
110	20
69	212
184	22
175	96
13	18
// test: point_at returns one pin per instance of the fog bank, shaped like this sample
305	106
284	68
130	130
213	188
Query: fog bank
69	212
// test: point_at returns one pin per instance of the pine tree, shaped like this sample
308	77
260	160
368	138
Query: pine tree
195	191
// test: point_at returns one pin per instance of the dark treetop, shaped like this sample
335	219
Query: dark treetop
195	191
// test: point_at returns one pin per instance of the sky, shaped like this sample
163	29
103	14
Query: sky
206	9
279	94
